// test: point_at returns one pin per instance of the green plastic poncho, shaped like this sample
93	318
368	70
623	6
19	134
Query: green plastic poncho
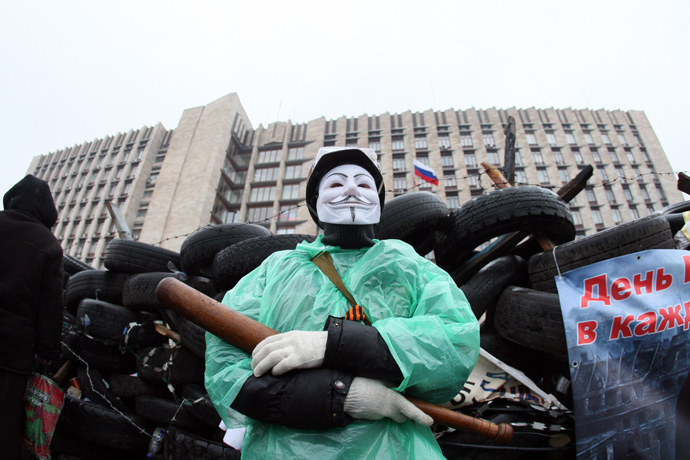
417	308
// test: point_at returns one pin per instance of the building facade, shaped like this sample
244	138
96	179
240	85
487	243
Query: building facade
214	168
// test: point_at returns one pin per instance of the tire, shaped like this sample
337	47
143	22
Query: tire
199	248
94	284
674	213
103	357
128	386
234	262
178	366
412	218
497	213
105	426
651	232
165	412
193	336
95	388
139	291
525	359
182	445
201	406
532	319
73	265
104	320
128	256
484	288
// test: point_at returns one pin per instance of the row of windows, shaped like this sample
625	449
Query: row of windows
420	141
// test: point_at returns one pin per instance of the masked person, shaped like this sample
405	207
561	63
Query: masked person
31	273
328	387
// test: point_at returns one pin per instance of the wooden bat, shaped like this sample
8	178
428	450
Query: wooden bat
245	333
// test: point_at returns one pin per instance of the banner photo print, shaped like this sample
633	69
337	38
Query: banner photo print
626	321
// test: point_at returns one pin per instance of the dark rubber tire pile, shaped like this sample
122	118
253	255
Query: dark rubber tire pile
131	377
134	379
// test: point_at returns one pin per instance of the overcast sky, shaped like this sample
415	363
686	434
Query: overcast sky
74	71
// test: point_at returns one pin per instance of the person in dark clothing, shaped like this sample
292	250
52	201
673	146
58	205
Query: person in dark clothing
31	274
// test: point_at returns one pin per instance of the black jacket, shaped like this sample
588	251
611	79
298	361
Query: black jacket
31	271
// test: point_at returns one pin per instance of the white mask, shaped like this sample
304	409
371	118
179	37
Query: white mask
347	195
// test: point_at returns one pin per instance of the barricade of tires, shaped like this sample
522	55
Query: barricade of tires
140	366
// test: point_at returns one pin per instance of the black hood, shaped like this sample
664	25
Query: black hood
32	196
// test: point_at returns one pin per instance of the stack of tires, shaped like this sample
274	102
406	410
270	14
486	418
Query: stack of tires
138	365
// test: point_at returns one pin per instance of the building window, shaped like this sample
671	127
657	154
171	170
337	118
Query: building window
470	160
628	195
645	157
295	153
650	209
536	155
616	214
518	158
444	141
473	181
551	139
619	172
614	156
259	213
595	155
578	157
610	196
638	140
564	175
645	194
605	138
290	192
452	201
399	183
270	156
596	216
494	158
262	193
577	218
420	143
631	157
450	181
520	176
447	161
489	140
588	138
375	144
591	196
141	212
569	138
398	144
466	139
423	158
266	174
660	190
621	139
288	213
636	172
285	231
293	172
557	157
543	176
531	138
399	163
351	142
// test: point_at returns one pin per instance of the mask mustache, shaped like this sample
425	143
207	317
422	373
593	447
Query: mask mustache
350	200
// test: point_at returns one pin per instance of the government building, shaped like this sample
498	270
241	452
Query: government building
215	167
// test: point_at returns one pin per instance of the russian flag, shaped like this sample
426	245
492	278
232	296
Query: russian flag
425	172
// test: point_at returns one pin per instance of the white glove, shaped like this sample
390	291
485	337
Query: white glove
288	351
371	400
